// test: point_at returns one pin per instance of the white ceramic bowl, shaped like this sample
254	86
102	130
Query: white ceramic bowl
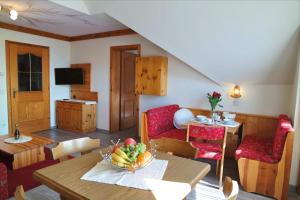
201	117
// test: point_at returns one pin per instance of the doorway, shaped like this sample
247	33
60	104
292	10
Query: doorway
124	103
28	87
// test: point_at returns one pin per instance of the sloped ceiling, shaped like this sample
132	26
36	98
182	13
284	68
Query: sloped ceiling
243	42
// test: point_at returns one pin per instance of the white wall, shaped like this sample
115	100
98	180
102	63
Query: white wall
186	86
59	57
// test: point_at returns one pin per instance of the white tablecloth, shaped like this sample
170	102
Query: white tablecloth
104	172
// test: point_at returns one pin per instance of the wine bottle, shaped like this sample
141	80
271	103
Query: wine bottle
17	133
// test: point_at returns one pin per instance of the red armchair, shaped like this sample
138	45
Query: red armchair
158	123
264	165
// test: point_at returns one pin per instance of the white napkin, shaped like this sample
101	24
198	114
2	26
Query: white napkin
104	172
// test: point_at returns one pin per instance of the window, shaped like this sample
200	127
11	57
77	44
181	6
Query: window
30	72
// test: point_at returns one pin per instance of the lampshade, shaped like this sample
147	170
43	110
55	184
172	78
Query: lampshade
236	92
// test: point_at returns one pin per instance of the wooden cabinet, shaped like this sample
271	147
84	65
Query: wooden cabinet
76	116
151	75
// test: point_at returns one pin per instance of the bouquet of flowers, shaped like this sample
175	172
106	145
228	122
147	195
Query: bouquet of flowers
214	100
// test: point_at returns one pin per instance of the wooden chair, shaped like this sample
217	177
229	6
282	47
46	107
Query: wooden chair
80	145
206	191
206	140
173	146
19	193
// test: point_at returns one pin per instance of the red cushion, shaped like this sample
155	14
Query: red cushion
207	146
3	182
283	127
206	132
173	133
256	148
160	119
202	153
208	150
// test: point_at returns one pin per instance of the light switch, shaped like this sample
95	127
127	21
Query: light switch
1	73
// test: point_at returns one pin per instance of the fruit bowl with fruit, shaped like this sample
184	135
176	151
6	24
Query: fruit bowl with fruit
130	155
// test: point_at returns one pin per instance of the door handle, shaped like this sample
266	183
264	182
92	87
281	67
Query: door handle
14	93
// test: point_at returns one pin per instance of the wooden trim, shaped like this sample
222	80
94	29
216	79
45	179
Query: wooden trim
103	35
111	97
41	33
23	29
27	44
8	87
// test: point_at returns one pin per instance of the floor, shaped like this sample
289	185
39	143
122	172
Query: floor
230	167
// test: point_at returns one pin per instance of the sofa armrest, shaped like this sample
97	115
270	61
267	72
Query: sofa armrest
144	130
3	182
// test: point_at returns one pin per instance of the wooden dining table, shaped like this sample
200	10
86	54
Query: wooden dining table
64	178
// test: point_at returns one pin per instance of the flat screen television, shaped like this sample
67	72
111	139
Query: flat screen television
69	76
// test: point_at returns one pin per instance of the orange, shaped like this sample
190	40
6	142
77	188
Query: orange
143	158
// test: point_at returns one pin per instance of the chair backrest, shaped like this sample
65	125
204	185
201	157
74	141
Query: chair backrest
284	126
230	188
80	145
19	193
206	132
3	182
175	147
160	119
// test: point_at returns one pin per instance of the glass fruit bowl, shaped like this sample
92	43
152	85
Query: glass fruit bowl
130	155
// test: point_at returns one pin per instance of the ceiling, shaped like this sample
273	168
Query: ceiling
237	42
51	17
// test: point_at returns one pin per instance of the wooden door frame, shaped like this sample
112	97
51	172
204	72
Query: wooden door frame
8	86
111	96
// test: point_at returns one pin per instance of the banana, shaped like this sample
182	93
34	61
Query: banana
119	164
122	154
119	159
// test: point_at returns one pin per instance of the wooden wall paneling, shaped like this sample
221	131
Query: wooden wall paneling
83	92
256	125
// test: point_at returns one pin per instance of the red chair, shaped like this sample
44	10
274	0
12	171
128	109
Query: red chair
206	140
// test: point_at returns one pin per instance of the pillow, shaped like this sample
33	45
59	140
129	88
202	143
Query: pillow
182	117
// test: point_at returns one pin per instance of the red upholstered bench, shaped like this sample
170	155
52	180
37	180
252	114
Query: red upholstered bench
260	160
10	179
158	123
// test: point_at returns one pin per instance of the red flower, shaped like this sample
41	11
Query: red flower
216	95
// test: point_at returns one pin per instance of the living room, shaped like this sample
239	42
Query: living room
249	47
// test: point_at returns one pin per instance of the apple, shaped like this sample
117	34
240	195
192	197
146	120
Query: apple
129	141
116	146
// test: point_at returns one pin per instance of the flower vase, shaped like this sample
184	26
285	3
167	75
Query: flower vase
214	116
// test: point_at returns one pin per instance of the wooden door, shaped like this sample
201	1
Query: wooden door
128	98
28	67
